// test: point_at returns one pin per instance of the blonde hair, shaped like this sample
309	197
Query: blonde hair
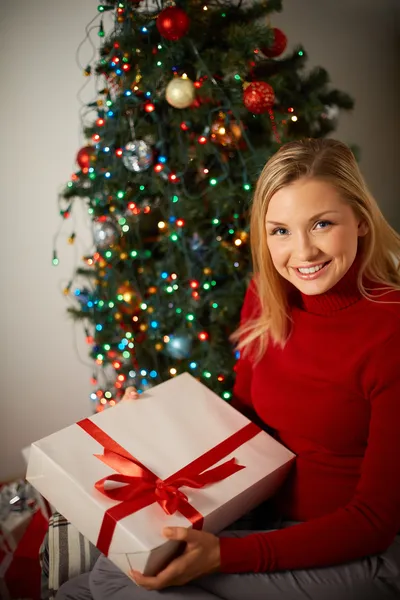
333	162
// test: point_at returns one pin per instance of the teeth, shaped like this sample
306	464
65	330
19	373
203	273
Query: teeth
309	270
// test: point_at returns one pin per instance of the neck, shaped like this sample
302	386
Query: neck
340	296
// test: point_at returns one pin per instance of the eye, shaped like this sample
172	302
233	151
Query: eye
323	224
279	231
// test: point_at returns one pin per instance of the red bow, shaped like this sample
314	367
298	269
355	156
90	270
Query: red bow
140	481
142	487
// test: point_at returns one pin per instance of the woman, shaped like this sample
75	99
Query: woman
320	366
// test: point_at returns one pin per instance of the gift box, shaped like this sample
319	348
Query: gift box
20	571
12	529
17	505
177	456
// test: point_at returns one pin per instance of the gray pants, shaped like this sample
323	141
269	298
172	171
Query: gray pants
373	578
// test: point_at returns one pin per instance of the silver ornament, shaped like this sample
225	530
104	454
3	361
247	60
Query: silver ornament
137	156
105	233
331	112
179	346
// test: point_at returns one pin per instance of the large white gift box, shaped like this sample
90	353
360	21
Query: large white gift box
149	457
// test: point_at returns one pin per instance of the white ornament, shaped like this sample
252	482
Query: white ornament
180	92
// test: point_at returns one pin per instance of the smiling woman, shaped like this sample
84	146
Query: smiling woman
319	366
312	209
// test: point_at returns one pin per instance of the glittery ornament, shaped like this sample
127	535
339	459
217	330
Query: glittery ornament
137	156
225	132
130	298
105	233
180	92
258	97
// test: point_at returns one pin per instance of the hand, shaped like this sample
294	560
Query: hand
200	557
131	393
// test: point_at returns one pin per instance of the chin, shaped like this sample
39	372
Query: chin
313	288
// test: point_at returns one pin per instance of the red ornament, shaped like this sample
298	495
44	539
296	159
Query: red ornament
278	46
258	97
173	23
83	157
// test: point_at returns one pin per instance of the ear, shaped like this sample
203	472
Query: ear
362	228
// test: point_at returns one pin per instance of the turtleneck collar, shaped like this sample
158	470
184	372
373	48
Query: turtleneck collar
343	294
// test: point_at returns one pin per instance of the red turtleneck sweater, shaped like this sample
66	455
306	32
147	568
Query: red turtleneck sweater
332	396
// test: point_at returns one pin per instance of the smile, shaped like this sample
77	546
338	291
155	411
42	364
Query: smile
312	272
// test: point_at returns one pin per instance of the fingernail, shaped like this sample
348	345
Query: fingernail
133	394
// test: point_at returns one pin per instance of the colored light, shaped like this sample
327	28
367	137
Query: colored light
202	140
173	371
213	181
149	107
193	365
226	395
100	122
180	223
203	336
194	284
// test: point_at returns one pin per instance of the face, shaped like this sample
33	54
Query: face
312	235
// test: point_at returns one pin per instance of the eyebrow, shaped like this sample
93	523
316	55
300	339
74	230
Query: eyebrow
314	218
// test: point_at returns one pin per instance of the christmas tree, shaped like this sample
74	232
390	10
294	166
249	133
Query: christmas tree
191	100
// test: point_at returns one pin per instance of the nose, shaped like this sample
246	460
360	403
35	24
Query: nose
305	249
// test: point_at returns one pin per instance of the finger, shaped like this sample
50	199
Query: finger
131	392
177	533
173	574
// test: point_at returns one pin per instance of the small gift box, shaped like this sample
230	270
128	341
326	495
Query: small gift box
177	456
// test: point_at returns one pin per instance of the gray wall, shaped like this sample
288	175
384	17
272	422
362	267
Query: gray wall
44	370
358	42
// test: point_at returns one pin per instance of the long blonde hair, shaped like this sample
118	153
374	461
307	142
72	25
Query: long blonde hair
333	162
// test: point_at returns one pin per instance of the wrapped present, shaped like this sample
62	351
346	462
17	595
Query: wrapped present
177	456
17	504
20	572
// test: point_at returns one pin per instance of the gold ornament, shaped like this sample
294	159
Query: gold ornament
127	292
225	132
180	92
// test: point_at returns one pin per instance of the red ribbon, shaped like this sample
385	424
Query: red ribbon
142	487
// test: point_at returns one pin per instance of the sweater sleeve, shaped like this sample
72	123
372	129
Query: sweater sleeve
368	524
242	389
